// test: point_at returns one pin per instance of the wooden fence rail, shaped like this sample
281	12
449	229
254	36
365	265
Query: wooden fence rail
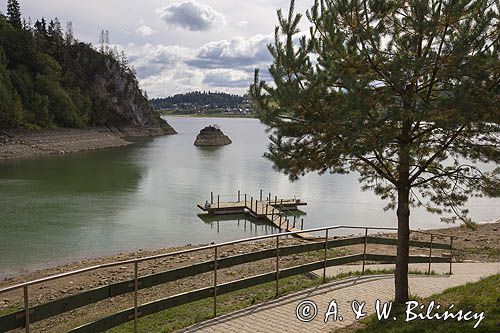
47	310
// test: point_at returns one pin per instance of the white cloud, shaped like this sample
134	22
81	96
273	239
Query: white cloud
226	65
145	31
227	78
191	15
242	24
234	53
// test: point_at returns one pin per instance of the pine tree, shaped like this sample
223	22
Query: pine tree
405	93
104	41
70	37
14	13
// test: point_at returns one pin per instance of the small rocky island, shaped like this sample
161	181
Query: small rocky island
212	136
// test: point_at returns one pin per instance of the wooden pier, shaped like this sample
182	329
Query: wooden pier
270	209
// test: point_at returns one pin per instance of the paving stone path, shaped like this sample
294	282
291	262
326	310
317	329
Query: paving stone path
280	315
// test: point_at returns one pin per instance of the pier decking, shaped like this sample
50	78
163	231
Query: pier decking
272	211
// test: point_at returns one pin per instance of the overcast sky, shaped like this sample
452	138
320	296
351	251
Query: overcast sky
177	46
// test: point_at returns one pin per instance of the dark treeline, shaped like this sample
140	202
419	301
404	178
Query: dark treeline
49	79
198	98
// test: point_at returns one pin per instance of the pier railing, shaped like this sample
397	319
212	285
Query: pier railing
30	315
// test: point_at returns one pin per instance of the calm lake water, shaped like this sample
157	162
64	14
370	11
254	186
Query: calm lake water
58	209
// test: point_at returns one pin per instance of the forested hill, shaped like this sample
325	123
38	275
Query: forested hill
198	98
49	79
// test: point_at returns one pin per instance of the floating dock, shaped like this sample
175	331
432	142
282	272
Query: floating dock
270	210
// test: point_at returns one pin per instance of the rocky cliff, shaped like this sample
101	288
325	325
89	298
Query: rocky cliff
123	106
212	136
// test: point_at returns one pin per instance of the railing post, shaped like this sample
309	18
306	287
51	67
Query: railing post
266	209
261	195
272	215
239	196
430	256
326	256
211	198
281	216
301	224
269	197
451	252
215	281
287	224
256	202
245	199
26	310
136	288
364	252
277	264
275	199
218	201
251	203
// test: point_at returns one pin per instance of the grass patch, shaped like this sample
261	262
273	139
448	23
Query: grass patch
189	314
10	309
476	297
488	251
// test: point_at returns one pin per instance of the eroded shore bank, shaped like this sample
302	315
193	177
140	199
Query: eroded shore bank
20	143
480	244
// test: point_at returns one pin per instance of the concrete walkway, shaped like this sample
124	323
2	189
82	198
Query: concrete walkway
280	315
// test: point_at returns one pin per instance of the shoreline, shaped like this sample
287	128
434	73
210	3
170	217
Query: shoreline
217	115
21	143
480	245
484	238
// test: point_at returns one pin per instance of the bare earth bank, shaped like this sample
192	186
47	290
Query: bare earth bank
19	143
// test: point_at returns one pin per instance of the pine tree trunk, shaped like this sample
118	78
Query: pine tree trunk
403	211
403	251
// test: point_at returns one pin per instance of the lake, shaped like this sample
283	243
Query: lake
57	209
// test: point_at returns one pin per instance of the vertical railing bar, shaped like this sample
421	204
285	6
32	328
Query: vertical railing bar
261	195
215	281
301	224
451	252
26	310
218	201
277	264
245	199
136	288
211	198
326	250
239	196
364	251
430	256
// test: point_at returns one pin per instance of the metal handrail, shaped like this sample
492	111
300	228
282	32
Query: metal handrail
215	247
201	248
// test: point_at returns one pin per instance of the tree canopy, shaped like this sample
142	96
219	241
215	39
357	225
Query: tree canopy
48	79
199	98
405	93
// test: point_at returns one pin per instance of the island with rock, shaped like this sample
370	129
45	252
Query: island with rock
212	136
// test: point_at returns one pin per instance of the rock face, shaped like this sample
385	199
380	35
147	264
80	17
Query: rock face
122	103
212	136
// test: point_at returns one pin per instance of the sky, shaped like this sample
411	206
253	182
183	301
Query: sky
177	46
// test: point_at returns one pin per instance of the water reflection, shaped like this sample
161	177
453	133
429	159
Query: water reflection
59	209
